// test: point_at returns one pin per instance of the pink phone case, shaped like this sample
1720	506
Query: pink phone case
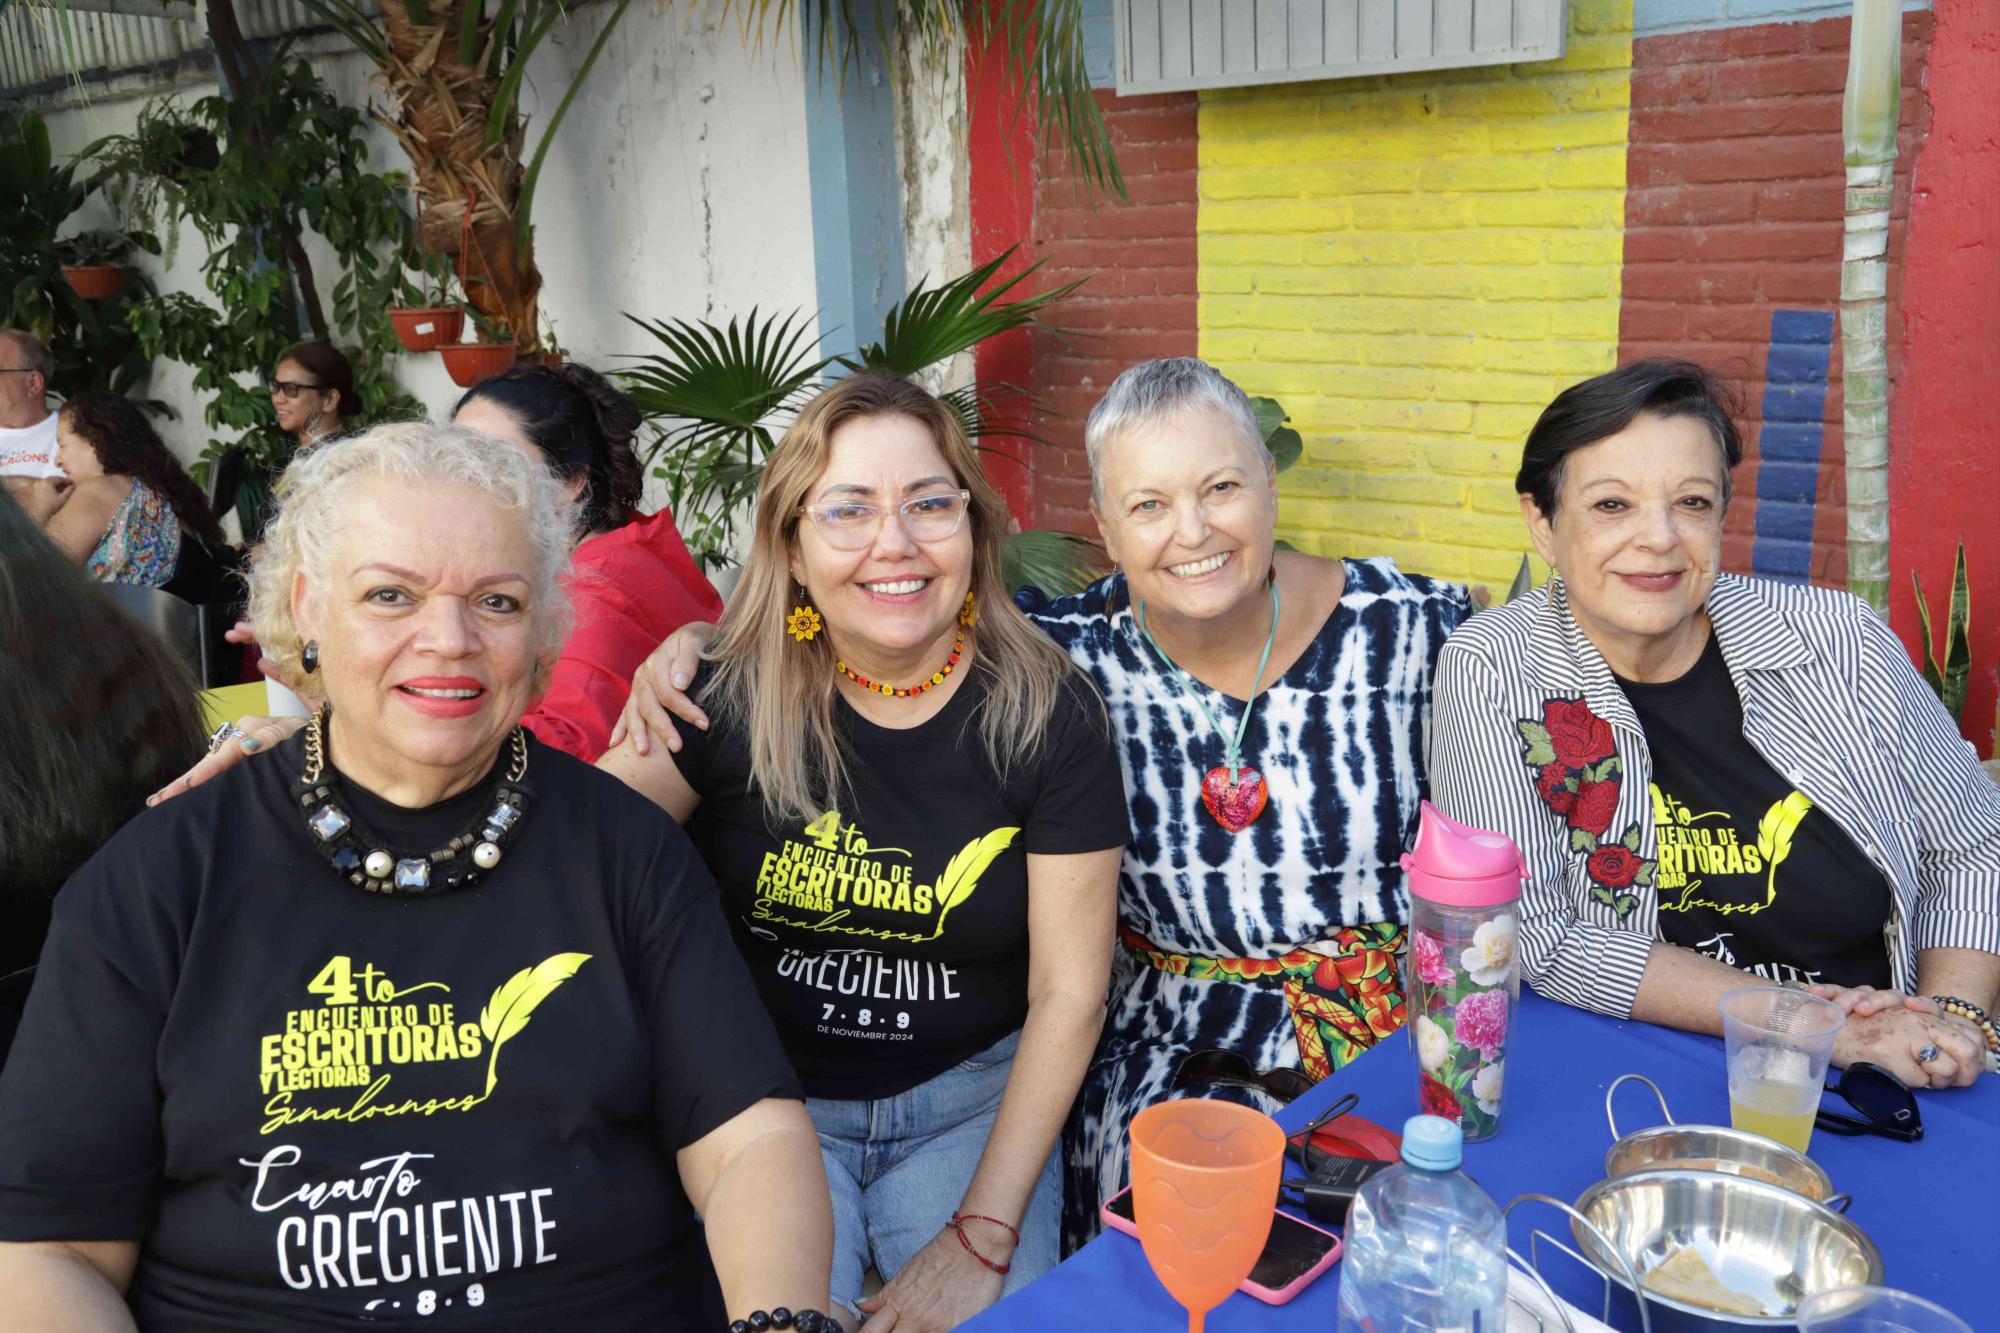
1118	1222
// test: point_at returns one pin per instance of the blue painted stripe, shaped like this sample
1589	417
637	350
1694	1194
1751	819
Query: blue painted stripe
1788	446
857	190
1653	17
1100	43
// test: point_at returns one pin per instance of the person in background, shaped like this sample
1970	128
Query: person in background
418	1016
1712	775
128	513
27	427
1270	710
94	713
633	583
312	392
912	806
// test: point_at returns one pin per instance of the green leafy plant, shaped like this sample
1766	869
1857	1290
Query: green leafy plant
92	346
1285	444
297	167
720	396
1950	676
88	249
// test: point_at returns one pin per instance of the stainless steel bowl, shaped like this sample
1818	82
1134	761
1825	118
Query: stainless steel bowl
1762	1241
1732	1152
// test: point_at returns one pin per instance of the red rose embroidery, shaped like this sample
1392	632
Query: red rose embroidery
1550	781
1592	807
1581	738
1614	865
1440	1100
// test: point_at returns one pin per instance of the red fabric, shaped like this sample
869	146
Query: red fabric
632	587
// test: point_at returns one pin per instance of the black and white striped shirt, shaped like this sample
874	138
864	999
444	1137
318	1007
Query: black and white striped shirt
1830	699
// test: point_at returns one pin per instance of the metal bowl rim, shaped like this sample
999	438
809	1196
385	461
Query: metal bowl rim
1869	1250
1758	1141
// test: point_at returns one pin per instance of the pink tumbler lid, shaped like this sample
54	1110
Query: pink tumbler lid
1461	866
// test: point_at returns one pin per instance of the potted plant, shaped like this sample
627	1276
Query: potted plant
92	261
428	318
469	363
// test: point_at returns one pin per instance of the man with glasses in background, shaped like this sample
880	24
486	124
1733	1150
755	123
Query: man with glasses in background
27	427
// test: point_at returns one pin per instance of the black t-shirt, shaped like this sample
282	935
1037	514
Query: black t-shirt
1751	872
889	937
316	1107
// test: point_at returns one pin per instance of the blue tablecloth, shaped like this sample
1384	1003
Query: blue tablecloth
1933	1207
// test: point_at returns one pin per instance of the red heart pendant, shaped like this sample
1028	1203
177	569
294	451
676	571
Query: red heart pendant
1234	805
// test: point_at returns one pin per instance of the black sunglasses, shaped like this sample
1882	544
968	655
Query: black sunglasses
1231	1069
1888	1106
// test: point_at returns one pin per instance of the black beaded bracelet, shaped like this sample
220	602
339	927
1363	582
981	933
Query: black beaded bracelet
805	1321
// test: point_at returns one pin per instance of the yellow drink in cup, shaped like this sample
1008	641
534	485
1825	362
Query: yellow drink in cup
1779	1043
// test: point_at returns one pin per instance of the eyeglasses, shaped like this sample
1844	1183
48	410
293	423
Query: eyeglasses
1207	1068
1888	1106
1303	1139
850	525
290	389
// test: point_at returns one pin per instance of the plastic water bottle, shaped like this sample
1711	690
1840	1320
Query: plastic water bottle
1426	1250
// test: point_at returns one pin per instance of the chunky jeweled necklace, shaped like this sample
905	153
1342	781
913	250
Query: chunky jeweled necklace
1233	794
364	859
908	691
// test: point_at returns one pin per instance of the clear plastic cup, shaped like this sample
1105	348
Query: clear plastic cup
1778	1042
1875	1310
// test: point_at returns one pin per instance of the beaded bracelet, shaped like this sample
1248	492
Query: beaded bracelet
957	1224
1966	1009
805	1321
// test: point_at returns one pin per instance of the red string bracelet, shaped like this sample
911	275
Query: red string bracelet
957	1224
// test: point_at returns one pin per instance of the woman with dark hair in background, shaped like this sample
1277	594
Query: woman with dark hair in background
128	506
94	713
313	394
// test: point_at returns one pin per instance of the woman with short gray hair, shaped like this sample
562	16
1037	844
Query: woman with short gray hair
418	1015
1270	707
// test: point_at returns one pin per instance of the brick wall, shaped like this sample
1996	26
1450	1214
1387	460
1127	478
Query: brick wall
1139	301
1414	265
1733	213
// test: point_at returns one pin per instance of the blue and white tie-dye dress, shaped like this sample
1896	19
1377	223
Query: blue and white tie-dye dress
1339	739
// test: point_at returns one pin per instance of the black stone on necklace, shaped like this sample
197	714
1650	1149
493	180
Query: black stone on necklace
363	859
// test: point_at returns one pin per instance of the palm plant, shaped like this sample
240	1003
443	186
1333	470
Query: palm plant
720	396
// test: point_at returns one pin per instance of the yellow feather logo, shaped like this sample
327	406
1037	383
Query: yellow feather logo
1774	837
508	1011
961	874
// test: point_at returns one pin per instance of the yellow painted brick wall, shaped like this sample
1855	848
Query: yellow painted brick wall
1414	265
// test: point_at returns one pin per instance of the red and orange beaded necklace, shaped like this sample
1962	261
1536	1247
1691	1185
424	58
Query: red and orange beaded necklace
912	691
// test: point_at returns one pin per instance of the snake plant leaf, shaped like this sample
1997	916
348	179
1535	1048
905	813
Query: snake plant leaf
1524	580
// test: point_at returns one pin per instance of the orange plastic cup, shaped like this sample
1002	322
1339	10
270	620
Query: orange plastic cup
1204	1184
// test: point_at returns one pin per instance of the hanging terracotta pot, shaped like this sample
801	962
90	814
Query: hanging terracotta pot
469	363
427	329
96	282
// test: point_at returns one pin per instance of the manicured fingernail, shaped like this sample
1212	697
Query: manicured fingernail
153	798
702	722
251	745
680	681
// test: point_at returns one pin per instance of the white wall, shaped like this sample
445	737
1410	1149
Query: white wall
677	186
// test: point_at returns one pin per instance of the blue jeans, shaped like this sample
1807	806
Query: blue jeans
899	1167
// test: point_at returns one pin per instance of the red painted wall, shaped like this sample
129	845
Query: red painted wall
1733	210
1944	460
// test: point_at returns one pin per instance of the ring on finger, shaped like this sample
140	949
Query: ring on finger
222	735
1928	1054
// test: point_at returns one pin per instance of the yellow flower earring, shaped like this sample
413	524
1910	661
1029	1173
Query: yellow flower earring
803	624
968	615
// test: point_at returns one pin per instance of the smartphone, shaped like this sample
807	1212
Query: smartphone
1296	1253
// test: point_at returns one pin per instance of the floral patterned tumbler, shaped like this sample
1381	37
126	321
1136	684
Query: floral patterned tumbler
1462	981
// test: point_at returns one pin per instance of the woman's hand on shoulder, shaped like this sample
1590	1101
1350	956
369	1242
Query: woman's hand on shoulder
941	1287
659	691
254	735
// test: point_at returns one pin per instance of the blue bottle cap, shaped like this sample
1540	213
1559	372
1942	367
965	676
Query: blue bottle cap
1432	1143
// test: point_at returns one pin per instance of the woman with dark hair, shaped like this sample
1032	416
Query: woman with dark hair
313	394
1710	774
94	714
128	504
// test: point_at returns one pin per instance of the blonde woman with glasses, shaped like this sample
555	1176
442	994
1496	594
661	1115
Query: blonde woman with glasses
910	800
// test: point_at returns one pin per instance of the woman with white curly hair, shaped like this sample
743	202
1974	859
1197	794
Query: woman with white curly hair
421	1016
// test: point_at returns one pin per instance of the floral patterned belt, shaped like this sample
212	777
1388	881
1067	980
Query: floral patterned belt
1343	992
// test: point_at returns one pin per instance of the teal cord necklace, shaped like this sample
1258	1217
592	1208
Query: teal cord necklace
1233	794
